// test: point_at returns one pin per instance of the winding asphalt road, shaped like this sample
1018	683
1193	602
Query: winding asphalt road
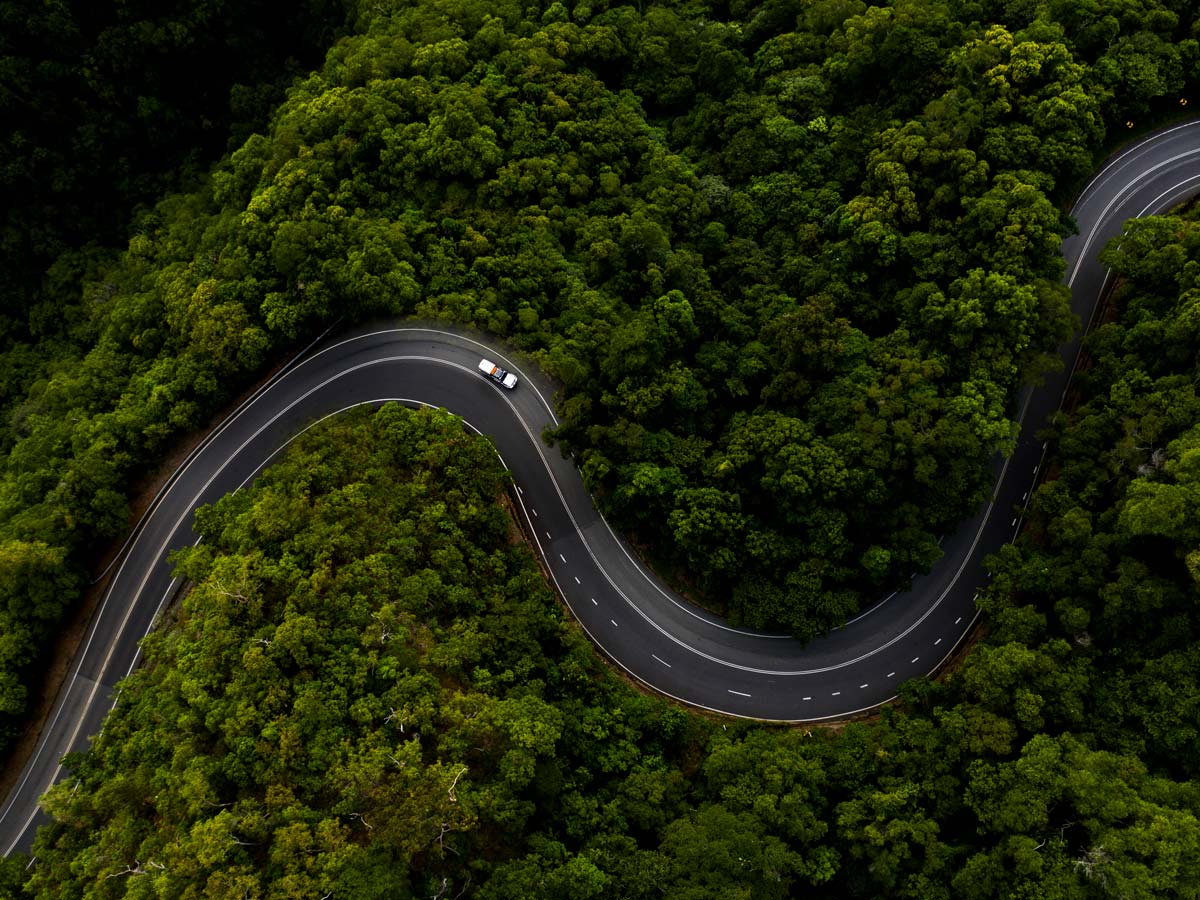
657	638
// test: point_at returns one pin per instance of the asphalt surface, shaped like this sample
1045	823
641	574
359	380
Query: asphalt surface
642	626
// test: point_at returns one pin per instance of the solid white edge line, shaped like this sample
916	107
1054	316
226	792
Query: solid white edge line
206	441
1082	197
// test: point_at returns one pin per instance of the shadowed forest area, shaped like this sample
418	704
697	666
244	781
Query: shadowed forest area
789	261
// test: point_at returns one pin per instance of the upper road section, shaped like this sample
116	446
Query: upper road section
654	635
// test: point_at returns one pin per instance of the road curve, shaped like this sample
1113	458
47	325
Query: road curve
656	637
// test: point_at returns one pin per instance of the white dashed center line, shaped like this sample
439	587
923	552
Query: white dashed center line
577	581
614	621
661	660
861	686
739	693
594	603
959	619
806	698
915	658
837	694
938	641
534	511
563	558
890	674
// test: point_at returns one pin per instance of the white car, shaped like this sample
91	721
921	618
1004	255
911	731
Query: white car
497	374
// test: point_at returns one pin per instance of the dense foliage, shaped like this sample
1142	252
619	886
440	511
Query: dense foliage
106	105
789	261
370	692
370	689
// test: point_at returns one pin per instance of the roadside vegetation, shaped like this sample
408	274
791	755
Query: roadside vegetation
370	692
106	106
789	261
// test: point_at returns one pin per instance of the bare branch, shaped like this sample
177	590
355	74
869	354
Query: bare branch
135	869
1093	863
234	595
461	772
442	834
